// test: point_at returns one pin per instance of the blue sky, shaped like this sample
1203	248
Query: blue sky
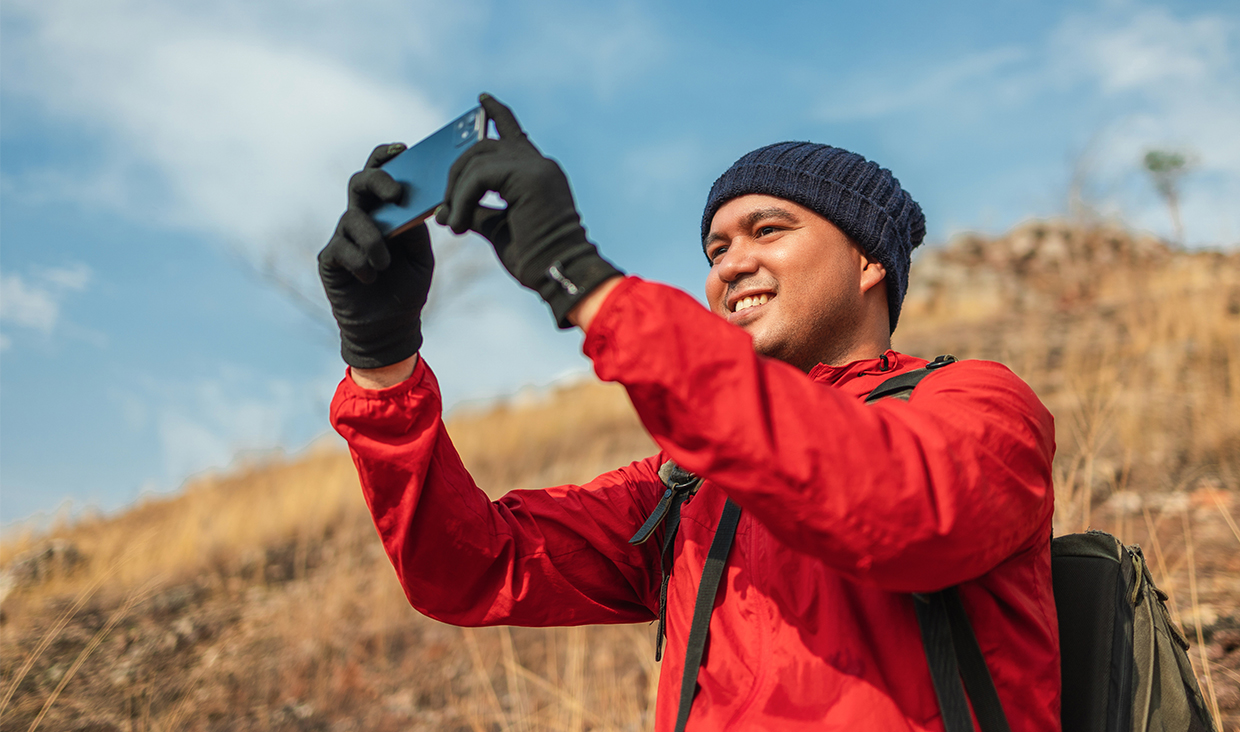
169	169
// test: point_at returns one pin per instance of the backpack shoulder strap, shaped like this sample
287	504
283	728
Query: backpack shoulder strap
712	573
901	386
953	654
936	638
952	651
678	485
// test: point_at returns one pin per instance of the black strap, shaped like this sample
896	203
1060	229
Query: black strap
702	608
938	615
951	647
679	485
669	540
973	669
936	636
901	386
656	516
953	654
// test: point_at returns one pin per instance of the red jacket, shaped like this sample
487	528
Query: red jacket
847	508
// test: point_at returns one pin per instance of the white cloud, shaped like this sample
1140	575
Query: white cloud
657	172
72	278
1141	76
34	301
205	423
1146	50
27	305
942	85
244	120
602	46
212	122
1177	82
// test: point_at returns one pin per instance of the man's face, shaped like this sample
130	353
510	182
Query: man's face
789	277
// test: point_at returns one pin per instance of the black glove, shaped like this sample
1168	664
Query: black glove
539	237
376	288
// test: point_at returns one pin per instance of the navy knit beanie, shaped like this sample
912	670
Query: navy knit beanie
865	201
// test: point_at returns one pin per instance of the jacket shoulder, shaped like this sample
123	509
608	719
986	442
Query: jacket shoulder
976	376
985	389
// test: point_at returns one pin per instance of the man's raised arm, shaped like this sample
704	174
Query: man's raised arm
525	559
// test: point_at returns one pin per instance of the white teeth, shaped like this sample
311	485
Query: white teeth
747	302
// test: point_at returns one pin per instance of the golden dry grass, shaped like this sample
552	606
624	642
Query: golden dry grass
261	599
1133	347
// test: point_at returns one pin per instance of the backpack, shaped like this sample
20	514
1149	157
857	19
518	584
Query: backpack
1124	663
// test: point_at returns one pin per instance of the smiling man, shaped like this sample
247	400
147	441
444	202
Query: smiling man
840	509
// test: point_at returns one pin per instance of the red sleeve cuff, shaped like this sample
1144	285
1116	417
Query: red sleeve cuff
421	372
603	327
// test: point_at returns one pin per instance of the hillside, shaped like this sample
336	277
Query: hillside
261	599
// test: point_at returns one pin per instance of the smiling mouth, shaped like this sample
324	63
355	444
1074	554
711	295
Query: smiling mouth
752	301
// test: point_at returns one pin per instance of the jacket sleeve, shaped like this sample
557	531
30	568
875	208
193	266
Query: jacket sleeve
554	557
911	496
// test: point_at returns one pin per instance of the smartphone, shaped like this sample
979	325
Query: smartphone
422	172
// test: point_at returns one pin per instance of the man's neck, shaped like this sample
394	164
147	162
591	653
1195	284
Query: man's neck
871	348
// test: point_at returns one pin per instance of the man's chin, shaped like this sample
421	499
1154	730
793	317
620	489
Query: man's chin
779	350
765	346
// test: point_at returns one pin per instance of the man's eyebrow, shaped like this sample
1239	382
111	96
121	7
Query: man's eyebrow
771	212
753	217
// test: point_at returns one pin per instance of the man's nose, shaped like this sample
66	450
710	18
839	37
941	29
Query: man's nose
738	260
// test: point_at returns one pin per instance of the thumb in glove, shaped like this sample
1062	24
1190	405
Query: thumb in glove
538	237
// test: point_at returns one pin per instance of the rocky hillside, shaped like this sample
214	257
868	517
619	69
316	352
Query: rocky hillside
260	599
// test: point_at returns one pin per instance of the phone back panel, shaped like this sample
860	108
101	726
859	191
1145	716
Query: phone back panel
422	171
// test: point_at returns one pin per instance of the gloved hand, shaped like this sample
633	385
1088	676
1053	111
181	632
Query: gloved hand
539	237
376	288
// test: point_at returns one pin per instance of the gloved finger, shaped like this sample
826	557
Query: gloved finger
342	253
384	153
492	224
361	230
371	186
414	246
483	147
505	121
442	213
481	175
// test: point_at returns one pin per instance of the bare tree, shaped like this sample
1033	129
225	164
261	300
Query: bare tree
1083	203
1167	168
291	269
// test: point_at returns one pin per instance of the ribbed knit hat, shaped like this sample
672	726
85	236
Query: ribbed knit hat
865	201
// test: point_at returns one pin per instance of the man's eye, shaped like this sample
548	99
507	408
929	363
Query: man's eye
764	230
716	253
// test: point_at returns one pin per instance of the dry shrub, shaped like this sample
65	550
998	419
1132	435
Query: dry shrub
262	599
539	439
1134	348
234	523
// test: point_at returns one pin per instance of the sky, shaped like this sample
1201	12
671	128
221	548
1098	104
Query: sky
168	171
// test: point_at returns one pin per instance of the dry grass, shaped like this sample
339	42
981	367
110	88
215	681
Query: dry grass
261	599
1133	347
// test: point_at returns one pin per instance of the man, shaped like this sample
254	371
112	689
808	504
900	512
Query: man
847	508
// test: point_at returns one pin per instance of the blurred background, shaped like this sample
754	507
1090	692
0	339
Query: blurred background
182	540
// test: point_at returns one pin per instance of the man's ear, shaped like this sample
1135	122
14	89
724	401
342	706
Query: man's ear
872	272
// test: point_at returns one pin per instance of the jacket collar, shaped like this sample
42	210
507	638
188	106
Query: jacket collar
888	364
